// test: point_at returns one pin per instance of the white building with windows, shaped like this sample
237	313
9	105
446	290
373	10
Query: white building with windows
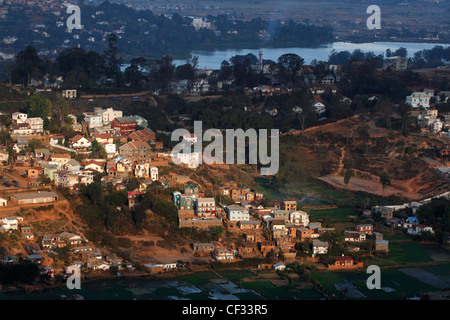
420	99
108	114
69	94
154	173
299	218
319	247
141	170
206	208
19	117
36	124
237	213
93	120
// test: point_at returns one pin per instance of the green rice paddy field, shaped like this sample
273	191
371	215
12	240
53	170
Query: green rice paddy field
395	284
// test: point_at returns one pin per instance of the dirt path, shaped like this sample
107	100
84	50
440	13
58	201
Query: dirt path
341	162
370	186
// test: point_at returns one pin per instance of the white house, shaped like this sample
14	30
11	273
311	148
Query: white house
319	247
279	266
108	114
154	173
69	94
80	142
299	218
36	124
110	149
141	170
191	159
11	223
418	229
93	120
3	202
237	213
206	207
94	165
19	117
224	255
418	99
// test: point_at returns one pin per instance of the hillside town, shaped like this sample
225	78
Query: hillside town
93	182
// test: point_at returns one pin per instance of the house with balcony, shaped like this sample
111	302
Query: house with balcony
206	208
36	124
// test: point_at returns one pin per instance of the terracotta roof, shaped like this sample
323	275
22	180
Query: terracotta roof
93	162
76	138
137	144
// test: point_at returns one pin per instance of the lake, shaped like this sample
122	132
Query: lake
213	59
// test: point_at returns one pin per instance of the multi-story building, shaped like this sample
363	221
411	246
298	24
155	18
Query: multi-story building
69	179
108	114
93	120
141	170
124	125
366	228
237	213
289	205
299	218
136	151
36	124
206	208
154	173
419	99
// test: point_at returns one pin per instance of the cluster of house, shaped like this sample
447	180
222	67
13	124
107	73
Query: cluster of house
409	223
83	255
196	210
231	190
136	155
429	121
8	224
22	125
286	226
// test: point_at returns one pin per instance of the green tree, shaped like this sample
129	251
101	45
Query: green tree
38	106
28	62
61	111
348	175
113	61
385	180
133	184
